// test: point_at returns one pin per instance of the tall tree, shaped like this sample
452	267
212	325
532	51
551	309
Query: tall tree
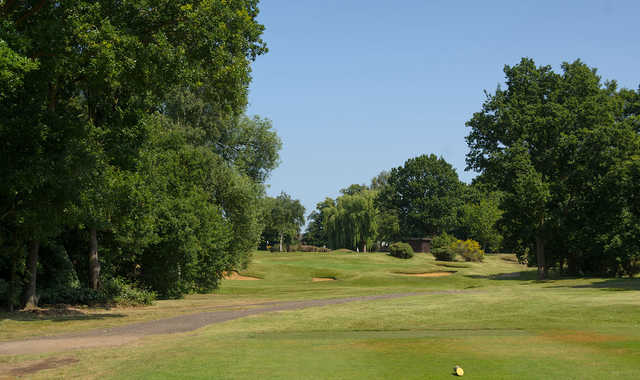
316	234
425	194
351	221
549	141
283	219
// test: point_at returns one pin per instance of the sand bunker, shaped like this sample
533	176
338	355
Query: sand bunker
319	279
235	276
431	274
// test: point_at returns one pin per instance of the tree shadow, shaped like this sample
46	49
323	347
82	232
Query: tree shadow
56	314
510	276
611	285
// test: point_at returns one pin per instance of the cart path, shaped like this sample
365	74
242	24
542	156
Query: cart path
120	335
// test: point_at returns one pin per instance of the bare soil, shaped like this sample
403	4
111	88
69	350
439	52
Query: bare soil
321	279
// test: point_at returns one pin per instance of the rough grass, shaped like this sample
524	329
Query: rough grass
504	325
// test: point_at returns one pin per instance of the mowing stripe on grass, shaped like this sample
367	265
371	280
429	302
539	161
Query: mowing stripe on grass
183	323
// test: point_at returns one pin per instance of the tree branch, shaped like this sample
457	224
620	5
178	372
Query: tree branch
31	12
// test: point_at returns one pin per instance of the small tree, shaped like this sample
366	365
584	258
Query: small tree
283	218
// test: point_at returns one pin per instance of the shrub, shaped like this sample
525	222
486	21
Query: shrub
118	291
469	249
441	247
401	250
113	290
70	296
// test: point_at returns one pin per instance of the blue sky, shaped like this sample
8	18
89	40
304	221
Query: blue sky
357	87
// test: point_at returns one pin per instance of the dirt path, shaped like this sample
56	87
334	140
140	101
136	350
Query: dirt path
116	336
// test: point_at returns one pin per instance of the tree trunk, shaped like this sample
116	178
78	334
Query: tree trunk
364	247
94	262
12	282
30	299
542	270
280	241
572	264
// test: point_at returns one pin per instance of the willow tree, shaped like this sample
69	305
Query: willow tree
351	221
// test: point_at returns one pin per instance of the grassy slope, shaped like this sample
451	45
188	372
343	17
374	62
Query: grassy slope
499	327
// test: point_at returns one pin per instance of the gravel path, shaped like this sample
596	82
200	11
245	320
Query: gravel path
127	333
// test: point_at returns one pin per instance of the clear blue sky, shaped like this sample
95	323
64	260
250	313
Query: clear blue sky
357	87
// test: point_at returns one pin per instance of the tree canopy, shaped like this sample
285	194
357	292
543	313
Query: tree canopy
123	123
425	193
559	146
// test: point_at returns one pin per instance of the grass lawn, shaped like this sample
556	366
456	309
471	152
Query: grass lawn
499	324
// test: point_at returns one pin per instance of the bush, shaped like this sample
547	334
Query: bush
401	250
113	290
118	291
441	247
468	249
70	296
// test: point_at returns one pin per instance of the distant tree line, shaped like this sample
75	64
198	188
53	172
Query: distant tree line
558	157
126	158
424	197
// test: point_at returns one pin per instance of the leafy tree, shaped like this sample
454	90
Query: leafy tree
479	218
353	189
283	219
351	221
425	194
316	234
79	82
380	181
551	143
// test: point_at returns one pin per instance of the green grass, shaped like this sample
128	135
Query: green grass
496	327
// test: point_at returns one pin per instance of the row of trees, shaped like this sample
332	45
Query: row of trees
558	157
423	197
564	149
125	151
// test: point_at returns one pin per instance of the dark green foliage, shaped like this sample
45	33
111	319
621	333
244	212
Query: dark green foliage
479	216
71	296
401	250
125	119
425	194
561	147
120	292
113	291
283	217
441	247
316	233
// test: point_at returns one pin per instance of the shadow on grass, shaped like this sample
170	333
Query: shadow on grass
58	314
510	276
611	285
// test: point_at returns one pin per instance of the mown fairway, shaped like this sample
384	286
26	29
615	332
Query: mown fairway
492	318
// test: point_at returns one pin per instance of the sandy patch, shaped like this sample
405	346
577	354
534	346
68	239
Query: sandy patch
320	279
235	276
31	367
431	274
